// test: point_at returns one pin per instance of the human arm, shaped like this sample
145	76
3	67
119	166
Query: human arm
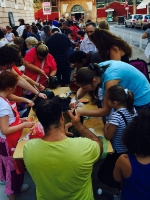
144	35
6	129
109	131
15	98
82	130
33	68
53	73
105	110
117	173
79	94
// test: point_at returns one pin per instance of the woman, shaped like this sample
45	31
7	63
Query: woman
144	36
110	73
31	42
111	47
103	24
39	64
34	33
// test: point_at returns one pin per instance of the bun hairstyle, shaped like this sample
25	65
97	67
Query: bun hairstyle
123	96
42	49
85	75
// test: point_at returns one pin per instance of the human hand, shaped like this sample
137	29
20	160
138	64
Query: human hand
67	126
75	119
42	95
24	119
41	87
28	124
30	103
73	103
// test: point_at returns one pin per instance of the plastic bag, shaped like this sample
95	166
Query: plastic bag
37	131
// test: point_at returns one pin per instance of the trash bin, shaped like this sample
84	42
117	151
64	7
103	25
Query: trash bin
120	20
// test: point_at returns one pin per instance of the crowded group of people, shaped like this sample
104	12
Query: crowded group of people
59	164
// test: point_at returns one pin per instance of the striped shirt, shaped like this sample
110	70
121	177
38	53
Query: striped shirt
116	119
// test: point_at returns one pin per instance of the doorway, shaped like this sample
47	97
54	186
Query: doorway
77	12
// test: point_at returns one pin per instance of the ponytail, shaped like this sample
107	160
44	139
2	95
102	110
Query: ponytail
130	101
85	75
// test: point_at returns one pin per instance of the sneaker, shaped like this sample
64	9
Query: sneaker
24	187
2	182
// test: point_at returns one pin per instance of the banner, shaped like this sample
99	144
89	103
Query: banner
46	8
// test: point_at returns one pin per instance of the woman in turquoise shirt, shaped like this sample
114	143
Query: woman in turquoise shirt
110	73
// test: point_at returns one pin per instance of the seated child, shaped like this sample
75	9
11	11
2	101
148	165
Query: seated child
122	101
11	126
133	170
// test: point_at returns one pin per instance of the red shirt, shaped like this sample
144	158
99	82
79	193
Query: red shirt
49	66
18	91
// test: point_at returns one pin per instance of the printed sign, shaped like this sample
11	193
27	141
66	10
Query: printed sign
46	8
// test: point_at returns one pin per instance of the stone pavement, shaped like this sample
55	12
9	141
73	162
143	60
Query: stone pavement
30	193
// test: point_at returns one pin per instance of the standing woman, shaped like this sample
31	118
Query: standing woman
144	36
110	73
39	64
111	47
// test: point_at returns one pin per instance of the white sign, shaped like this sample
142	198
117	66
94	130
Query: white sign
46	8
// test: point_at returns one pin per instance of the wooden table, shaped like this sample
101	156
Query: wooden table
94	124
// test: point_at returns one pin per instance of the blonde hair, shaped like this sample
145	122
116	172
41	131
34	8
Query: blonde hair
104	25
32	41
9	28
42	49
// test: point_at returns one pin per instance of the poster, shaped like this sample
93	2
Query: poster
46	8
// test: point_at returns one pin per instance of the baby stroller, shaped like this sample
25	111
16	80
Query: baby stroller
141	65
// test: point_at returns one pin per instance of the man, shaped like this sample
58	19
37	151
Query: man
60	166
58	45
45	34
21	27
86	44
66	30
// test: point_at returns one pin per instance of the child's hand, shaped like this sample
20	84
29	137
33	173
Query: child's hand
28	124
24	119
30	103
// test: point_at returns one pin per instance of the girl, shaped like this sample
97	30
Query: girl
132	170
122	101
10	131
111	47
9	35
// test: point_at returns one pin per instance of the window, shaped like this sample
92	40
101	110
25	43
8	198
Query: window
100	3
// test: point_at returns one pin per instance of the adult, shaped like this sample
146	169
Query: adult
10	57
50	23
58	45
66	30
3	40
21	27
19	41
31	42
110	46
45	34
110	73
34	33
68	162
39	64
103	24
81	24
144	36
87	45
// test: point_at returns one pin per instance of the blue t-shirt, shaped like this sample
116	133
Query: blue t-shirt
130	78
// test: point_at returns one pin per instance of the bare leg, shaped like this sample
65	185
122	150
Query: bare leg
11	197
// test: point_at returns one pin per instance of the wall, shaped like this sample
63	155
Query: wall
21	9
119	10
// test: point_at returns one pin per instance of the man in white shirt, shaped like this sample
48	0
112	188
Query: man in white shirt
87	44
21	27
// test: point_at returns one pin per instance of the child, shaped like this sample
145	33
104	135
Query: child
122	101
9	35
133	170
11	126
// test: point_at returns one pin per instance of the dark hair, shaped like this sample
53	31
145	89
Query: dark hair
136	136
70	34
91	24
77	56
105	40
59	24
46	29
148	25
85	75
55	29
21	20
1	34
117	93
34	29
8	80
88	21
9	55
50	22
49	113
18	40
81	33
70	22
44	23
15	33
39	25
66	23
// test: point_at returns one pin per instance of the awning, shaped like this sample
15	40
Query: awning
109	10
143	4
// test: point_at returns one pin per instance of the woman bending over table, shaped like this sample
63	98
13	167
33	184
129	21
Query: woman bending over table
39	64
107	74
